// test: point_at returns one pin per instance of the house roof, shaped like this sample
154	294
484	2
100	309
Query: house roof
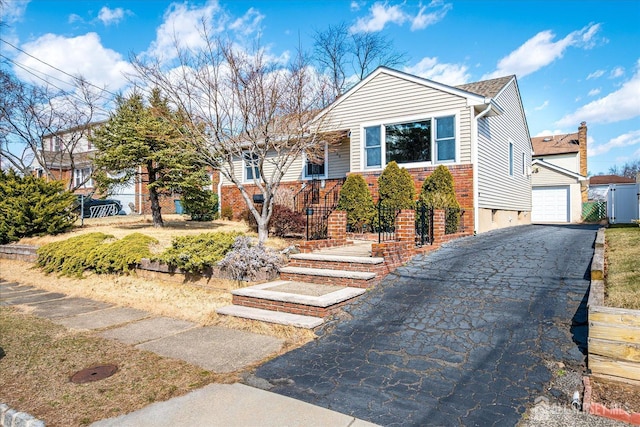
62	160
555	144
610	179
489	88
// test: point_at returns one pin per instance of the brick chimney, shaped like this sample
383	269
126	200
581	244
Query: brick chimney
582	144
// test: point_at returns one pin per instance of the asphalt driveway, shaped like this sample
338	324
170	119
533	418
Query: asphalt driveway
456	337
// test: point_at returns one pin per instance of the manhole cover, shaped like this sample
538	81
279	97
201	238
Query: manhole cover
95	373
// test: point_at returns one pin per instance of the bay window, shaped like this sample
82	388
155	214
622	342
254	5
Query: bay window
411	142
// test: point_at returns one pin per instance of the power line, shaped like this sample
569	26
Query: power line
56	68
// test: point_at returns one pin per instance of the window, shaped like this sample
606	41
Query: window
80	175
510	159
251	167
56	143
410	142
315	164
372	147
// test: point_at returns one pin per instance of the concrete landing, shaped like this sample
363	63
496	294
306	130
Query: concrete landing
342	274
300	293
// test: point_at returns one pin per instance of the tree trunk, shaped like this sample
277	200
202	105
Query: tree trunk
153	197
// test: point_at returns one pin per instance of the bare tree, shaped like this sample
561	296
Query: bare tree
348	57
245	113
630	169
42	126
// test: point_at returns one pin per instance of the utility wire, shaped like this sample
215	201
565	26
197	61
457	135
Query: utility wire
56	68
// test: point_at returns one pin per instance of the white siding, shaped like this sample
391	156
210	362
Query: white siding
386	98
543	176
569	161
496	188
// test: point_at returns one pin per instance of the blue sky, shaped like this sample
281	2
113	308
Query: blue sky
575	60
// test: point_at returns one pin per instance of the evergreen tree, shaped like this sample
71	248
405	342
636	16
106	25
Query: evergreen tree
356	201
146	136
438	192
396	188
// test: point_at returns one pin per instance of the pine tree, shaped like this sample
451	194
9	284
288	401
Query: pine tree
356	201
438	192
396	188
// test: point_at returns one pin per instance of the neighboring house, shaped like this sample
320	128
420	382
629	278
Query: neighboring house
559	177
69	154
599	185
478	130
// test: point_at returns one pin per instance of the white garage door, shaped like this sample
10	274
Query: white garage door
550	204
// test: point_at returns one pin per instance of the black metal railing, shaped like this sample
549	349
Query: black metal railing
317	210
385	222
317	226
424	224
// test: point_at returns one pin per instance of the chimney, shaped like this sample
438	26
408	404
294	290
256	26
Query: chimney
582	144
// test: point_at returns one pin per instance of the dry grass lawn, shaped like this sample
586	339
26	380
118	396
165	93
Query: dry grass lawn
622	254
41	356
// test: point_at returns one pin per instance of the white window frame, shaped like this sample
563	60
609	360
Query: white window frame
246	166
79	175
510	159
326	166
408	119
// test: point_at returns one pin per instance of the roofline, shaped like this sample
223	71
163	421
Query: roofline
559	169
478	99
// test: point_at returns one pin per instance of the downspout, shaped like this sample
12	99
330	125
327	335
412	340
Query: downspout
139	190
219	194
474	162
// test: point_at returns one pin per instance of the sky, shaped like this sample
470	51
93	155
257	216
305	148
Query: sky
574	60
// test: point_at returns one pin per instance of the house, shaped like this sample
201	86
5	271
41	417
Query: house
478	130
559	177
68	156
599	185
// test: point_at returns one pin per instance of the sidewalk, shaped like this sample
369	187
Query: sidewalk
212	348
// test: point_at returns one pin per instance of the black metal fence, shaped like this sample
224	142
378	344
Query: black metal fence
385	222
424	224
317	222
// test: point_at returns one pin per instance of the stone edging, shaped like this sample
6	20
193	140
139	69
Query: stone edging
19	252
10	418
599	409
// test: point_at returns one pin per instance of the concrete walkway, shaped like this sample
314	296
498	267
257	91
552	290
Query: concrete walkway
466	335
212	348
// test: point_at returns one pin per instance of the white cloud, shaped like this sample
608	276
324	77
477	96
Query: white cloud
548	132
381	14
622	104
355	6
616	72
450	74
73	18
82	55
183	24
625	140
249	23
595	74
541	50
111	16
13	11
542	106
594	92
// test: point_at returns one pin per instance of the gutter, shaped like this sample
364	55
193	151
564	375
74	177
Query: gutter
474	161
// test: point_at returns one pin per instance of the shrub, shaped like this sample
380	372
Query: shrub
356	201
245	262
69	257
227	212
396	188
195	254
438	192
30	206
202	205
285	222
122	255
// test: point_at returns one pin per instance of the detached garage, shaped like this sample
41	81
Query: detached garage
555	194
551	204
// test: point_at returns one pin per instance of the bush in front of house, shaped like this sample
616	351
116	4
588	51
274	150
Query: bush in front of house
30	206
69	257
283	222
396	188
120	256
196	254
227	212
355	199
438	192
201	204
247	261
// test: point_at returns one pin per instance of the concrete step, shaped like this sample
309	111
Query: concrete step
356	279
337	262
307	322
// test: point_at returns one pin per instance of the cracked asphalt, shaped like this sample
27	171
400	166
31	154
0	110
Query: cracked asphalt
459	336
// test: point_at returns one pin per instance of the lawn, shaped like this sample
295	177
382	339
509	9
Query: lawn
622	255
41	356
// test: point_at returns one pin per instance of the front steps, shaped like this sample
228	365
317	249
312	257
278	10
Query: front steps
312	287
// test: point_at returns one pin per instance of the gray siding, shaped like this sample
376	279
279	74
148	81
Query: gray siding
496	188
386	98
